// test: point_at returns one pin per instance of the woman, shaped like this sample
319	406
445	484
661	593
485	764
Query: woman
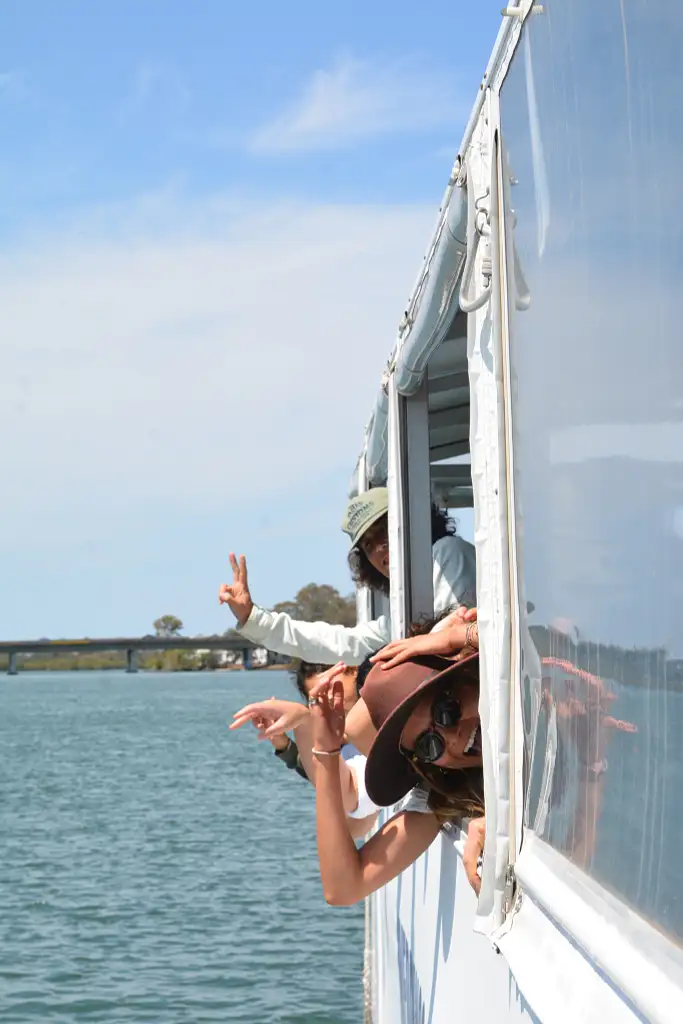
426	755
454	635
274	719
366	523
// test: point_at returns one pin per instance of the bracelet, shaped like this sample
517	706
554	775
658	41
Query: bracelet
468	635
326	753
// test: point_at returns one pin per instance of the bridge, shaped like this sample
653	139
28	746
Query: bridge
132	646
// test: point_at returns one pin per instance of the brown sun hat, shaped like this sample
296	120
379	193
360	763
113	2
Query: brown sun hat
391	696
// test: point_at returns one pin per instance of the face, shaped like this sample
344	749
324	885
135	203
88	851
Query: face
348	682
462	741
375	546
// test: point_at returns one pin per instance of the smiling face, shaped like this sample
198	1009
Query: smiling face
375	545
462	741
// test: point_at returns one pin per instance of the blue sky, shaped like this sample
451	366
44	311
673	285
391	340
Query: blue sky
211	218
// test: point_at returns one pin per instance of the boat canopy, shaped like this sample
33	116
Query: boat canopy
432	342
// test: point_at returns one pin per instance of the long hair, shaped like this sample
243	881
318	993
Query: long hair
454	793
364	574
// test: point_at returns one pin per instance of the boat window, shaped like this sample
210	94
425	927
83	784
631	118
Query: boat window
593	146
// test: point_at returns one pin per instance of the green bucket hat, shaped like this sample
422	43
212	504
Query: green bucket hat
363	511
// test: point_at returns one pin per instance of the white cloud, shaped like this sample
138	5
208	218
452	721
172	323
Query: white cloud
192	354
356	100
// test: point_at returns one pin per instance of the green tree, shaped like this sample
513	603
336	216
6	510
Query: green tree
316	602
209	661
168	625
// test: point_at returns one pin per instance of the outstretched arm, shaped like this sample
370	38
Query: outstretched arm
348	874
311	641
275	717
459	634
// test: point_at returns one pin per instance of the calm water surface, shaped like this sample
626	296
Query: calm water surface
154	867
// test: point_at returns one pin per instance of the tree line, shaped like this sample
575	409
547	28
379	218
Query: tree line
313	603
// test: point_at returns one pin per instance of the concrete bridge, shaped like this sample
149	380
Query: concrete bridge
131	645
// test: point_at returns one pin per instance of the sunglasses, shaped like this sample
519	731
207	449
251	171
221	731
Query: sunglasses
430	744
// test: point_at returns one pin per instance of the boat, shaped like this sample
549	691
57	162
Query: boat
537	378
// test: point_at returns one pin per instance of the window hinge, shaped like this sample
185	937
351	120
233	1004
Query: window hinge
510	890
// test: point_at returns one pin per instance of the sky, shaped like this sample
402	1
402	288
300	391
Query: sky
211	218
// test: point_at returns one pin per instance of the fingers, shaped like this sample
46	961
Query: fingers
235	568
259	707
243	570
261	725
337	697
276	729
224	593
248	714
457	616
393	654
329	677
329	693
387	652
238	723
401	656
474	846
472	876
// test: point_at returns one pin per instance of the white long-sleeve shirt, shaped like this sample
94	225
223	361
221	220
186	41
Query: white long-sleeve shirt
454	584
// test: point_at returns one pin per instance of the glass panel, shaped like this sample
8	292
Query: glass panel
593	146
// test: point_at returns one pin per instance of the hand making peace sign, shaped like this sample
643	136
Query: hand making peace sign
236	594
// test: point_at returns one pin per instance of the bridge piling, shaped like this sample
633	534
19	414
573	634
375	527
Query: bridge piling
247	663
131	660
12	664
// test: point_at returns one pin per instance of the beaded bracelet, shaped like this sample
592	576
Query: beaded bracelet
468	636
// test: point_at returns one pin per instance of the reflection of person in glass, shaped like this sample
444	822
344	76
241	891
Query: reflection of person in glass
579	727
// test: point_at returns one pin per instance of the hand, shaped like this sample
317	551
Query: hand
444	642
279	742
327	714
277	716
400	651
474	848
236	594
461	614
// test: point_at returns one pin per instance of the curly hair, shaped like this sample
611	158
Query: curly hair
364	574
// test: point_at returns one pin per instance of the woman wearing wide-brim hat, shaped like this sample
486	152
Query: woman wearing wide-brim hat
425	760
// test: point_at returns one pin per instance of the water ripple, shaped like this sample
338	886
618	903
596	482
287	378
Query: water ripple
155	867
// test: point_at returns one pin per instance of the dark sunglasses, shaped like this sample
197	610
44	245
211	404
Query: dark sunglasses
430	744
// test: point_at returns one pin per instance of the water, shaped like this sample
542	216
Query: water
154	867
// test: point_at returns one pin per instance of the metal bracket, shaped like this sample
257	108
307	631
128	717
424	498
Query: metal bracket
510	890
522	10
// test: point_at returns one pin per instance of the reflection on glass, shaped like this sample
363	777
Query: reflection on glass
592	143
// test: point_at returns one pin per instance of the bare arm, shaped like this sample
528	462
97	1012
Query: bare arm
359	827
349	875
312	641
303	735
359	728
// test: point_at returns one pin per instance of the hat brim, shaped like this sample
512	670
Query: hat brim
389	775
374	518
